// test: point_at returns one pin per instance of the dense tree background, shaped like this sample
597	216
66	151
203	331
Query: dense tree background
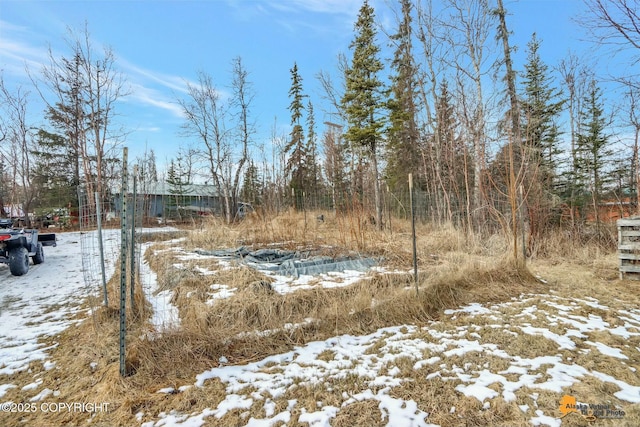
493	144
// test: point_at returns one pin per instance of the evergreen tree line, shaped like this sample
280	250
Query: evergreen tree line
489	146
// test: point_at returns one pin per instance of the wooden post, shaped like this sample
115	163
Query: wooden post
413	233
629	248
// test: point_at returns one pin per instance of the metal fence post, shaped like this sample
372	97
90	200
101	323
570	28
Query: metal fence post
123	265
133	240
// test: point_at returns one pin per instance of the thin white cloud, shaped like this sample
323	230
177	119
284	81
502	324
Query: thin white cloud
149	96
15	55
172	82
8	26
291	13
152	97
333	7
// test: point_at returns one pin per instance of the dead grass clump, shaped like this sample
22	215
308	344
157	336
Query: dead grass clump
576	280
530	346
86	370
363	413
240	277
582	245
442	239
474	282
159	236
434	396
214	233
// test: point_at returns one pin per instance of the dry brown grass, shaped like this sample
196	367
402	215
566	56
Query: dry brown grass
455	269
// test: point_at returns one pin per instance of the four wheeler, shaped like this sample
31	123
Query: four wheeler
18	244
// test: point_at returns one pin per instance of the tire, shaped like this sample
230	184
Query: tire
38	258
19	261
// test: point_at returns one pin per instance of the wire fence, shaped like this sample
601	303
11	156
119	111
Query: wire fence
99	240
168	209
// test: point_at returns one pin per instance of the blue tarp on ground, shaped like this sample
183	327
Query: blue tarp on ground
291	263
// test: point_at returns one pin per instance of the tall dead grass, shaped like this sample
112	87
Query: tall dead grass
581	245
256	322
454	269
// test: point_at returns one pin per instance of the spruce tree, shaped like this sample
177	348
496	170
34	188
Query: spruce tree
594	153
4	180
454	158
54	171
69	118
540	108
296	167
402	144
363	98
177	181
250	191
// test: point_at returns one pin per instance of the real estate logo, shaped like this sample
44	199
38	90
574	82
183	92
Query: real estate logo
590	411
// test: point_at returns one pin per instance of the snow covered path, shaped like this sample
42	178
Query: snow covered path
40	303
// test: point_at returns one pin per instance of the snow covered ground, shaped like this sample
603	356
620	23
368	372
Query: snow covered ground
458	349
436	351
40	303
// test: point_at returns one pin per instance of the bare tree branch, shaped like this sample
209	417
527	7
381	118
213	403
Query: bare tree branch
615	23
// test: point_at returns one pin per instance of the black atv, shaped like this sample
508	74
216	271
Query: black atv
18	244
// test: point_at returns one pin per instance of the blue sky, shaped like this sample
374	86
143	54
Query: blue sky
161	44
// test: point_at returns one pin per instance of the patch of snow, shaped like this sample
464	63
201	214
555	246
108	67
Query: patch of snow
5	387
606	350
42	395
473	308
562	340
34	385
544	420
165	315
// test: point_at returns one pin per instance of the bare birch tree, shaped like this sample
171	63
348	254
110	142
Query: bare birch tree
469	29
16	150
206	119
430	32
634	121
81	92
615	23
241	101
223	130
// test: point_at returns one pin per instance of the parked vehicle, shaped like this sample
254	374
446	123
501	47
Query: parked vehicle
18	244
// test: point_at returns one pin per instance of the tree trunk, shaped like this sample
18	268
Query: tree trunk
514	140
376	188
